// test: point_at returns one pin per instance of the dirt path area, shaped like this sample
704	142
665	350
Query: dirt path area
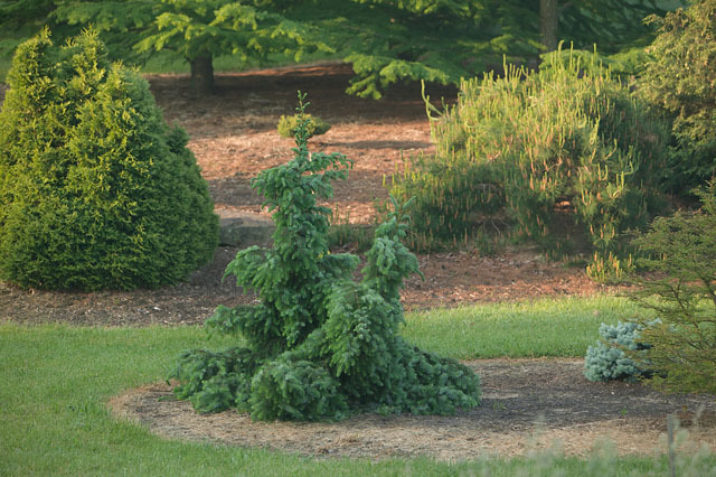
234	132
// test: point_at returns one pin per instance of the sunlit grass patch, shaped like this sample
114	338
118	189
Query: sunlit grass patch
545	327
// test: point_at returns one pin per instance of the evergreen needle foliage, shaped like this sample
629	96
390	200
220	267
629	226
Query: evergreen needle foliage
536	147
680	79
680	251
320	346
607	360
95	190
288	125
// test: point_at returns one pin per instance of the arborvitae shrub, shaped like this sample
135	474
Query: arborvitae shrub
607	360
288	125
95	190
680	254
320	346
515	147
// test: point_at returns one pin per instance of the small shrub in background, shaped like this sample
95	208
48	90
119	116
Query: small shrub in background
680	80
679	252
607	360
529	146
95	190
288	125
320	346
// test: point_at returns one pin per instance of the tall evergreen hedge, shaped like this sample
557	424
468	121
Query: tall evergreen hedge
96	191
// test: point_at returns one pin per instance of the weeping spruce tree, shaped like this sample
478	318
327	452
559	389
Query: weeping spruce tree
319	346
95	190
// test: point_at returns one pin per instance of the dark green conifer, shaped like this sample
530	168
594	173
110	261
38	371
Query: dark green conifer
680	80
319	345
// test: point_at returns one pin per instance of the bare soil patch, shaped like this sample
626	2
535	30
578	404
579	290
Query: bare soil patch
527	403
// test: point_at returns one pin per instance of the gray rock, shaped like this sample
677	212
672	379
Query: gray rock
242	229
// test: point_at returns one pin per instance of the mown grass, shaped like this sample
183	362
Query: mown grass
55	381
547	327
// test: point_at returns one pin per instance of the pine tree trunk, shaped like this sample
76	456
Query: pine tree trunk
202	74
548	20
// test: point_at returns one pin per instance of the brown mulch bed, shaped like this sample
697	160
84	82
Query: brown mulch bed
527	403
451	279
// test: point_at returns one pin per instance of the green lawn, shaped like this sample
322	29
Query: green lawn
547	327
55	381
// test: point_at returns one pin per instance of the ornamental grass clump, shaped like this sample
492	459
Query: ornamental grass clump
536	148
96	191
319	345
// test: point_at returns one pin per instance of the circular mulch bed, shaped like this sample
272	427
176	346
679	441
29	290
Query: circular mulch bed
527	405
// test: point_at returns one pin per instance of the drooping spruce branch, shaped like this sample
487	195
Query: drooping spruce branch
320	345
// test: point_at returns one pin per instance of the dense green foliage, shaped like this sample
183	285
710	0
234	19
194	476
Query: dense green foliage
199	30
606	360
682	250
681	79
121	24
386	41
320	345
21	20
195	31
446	40
95	190
567	142
288	125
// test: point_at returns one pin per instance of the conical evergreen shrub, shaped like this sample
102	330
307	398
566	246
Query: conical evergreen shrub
96	191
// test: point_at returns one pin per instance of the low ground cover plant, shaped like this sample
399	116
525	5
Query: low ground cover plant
676	351
320	346
96	191
567	143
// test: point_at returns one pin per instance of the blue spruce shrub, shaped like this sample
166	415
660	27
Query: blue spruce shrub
96	191
607	359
